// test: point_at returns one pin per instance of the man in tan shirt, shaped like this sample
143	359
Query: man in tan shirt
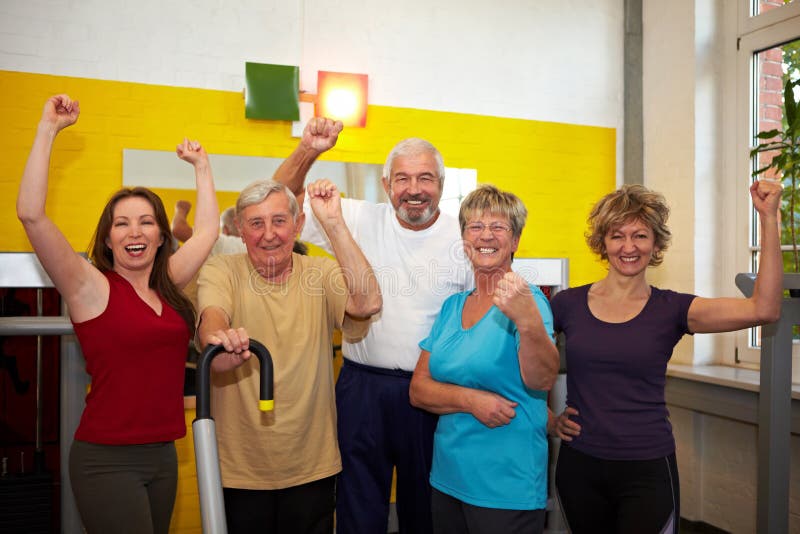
278	468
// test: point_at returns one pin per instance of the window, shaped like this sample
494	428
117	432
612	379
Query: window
764	6
769	52
457	184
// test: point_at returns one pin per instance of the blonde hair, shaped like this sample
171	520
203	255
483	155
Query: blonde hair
489	199
629	203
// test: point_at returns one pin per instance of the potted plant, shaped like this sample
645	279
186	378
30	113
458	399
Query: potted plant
784	146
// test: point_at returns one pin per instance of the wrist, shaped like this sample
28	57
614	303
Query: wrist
47	129
308	152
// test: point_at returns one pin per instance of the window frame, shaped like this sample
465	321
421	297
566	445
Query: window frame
755	33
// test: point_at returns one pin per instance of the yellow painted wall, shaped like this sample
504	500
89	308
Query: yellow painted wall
558	170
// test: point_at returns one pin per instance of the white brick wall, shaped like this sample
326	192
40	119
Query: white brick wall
534	60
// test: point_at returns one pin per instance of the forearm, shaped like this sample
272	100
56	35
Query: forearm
33	186
438	397
292	172
768	290
206	221
188	259
364	296
538	357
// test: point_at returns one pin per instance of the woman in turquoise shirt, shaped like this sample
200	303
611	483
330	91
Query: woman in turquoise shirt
485	368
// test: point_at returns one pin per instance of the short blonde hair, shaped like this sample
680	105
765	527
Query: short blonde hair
489	199
629	203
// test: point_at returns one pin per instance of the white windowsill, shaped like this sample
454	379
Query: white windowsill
721	375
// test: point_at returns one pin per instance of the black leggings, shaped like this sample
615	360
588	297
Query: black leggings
124	488
618	496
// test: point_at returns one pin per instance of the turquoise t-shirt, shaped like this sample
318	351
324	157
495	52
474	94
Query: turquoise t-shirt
503	467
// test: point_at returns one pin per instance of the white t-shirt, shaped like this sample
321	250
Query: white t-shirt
228	244
416	271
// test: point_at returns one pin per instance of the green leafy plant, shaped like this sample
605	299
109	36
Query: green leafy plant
784	144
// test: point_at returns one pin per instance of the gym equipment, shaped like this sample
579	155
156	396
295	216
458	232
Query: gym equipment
209	480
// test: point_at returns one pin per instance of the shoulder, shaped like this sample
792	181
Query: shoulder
220	264
454	300
571	294
669	296
315	270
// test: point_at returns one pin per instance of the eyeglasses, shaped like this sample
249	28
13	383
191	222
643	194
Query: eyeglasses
496	228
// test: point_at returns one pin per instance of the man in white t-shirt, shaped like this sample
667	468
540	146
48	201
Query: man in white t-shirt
417	256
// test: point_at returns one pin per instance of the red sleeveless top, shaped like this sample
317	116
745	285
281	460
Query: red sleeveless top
136	359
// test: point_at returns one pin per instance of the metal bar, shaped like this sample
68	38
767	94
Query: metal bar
35	326
38	454
774	410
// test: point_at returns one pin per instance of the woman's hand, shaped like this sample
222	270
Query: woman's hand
192	152
491	409
766	195
513	297
563	427
59	112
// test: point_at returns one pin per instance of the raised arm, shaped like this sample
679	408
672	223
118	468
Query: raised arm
180	223
364	297
764	306
538	355
78	282
441	398
319	135
187	259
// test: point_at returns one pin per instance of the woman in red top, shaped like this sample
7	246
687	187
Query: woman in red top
134	326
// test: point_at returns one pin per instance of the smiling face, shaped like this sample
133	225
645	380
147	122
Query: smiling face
414	188
489	242
134	236
269	230
630	247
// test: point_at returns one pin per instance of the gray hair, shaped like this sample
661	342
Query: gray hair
258	191
227	222
414	146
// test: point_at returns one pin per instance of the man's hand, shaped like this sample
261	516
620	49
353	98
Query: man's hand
236	343
183	207
321	134
325	201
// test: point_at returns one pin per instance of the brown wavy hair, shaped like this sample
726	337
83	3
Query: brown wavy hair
631	202
103	259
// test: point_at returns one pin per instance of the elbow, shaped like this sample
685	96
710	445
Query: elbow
26	217
366	307
767	311
544	378
541	383
770	316
375	305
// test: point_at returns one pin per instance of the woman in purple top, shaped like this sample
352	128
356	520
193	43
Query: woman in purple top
616	468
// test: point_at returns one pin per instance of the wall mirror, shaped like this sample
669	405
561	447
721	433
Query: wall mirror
161	169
